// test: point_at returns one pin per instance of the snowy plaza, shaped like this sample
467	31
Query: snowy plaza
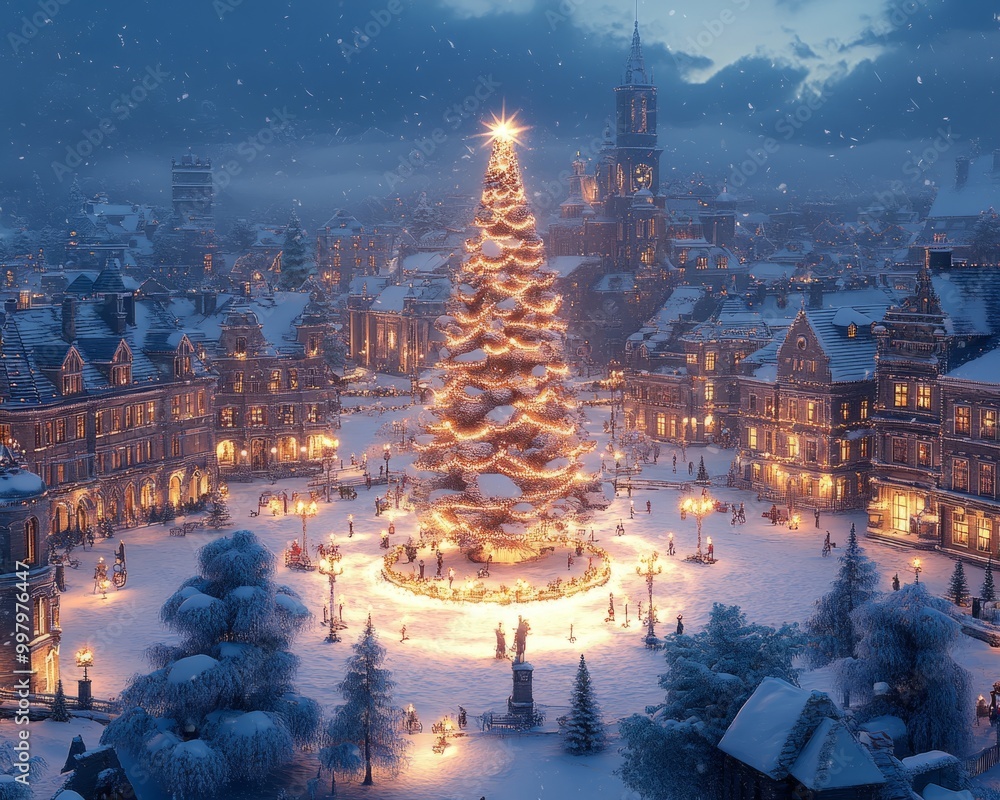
448	661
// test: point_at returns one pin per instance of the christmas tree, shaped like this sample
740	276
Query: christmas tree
702	473
218	513
988	593
584	728
504	449
958	588
368	720
59	711
294	260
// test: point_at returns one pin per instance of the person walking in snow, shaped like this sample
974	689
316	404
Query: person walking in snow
670	545
816	514
742	516
451	576
421	569
690	468
440	561
680	624
631	509
649	507
675	462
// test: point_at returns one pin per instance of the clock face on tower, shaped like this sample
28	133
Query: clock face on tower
643	176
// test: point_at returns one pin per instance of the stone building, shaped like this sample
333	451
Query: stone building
806	421
24	569
109	402
275	397
345	248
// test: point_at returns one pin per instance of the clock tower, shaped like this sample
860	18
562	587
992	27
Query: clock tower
636	156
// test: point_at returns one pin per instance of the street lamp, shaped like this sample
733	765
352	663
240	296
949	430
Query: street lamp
699	506
85	659
386	454
305	510
649	567
332	568
329	456
917	569
243	460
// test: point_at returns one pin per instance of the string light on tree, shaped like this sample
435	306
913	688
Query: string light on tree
504	450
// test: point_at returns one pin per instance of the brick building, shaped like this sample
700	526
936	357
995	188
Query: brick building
345	248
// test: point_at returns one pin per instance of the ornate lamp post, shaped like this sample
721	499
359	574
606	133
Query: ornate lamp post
329	456
305	510
331	567
699	506
243	461
917	569
386	454
649	567
85	659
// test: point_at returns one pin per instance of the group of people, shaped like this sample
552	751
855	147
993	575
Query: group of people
739	515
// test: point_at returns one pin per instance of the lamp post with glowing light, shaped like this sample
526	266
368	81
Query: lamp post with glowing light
332	568
386	454
329	456
915	565
649	568
699	506
305	510
85	659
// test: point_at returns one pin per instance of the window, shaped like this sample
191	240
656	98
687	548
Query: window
175	446
863	448
81	426
60	430
811	411
692	358
923	396
793	410
924	454
984	534
274	384
768	441
960	475
188	405
661	424
959	528
256	415
38	608
150	412
864	409
845	410
201	402
752	402
116	420
963	420
72	383
121	375
987	479
293	379
900	512
313	414
811	451
793	447
286	414
988	429
721	262
752	438
845	450
227	417
709	362
241	345
900	395
709	392
852	330
900	450
31	541
769	406
98	423
175	407
701	262
312	348
238	382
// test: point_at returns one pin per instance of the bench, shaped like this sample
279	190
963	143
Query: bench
254	513
190	526
178	532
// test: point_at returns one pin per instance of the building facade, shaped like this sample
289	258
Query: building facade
345	248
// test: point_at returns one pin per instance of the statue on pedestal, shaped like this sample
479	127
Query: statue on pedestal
501	652
520	640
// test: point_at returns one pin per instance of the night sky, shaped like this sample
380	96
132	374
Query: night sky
312	113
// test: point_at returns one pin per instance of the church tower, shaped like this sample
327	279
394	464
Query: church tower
637	158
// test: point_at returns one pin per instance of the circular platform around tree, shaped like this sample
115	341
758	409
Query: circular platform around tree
502	583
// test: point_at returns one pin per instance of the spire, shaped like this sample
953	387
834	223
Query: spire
635	67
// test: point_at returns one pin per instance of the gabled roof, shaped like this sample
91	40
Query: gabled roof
100	349
834	759
851	359
52	356
81	284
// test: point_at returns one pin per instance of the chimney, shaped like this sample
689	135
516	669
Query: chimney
198	303
10	305
128	301
211	301
961	171
69	319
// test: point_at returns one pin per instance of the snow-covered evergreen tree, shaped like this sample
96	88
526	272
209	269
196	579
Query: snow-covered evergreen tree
503	454
907	641
10	787
218	512
294	259
242	235
425	217
988	593
59	711
702	476
342	757
368	719
584	727
831	630
958	587
220	706
671	754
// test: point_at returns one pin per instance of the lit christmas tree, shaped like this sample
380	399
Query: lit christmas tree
506	442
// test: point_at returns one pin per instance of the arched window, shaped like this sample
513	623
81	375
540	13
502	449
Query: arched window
31	541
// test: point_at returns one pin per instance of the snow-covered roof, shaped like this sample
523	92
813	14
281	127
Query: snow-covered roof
934	792
424	262
564	266
985	369
615	282
834	759
980	192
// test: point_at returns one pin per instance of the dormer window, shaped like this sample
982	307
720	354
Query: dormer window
121	367
241	346
72	374
852	331
182	361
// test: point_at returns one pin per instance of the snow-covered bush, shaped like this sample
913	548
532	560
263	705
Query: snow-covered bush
907	645
220	705
671	753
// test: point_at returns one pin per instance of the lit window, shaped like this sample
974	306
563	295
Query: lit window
923	396
709	362
901	395
924	454
811	411
959	528
984	534
900	450
845	450
864	409
845	410
752	438
709	392
852	331
987	479
793	447
988	429
963	420
692	358
960	475
661	425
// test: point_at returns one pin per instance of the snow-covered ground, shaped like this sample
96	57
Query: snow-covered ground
773	573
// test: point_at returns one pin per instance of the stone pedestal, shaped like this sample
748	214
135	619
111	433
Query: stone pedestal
521	702
84	694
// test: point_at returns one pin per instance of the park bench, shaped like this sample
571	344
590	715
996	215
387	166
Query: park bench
178	532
